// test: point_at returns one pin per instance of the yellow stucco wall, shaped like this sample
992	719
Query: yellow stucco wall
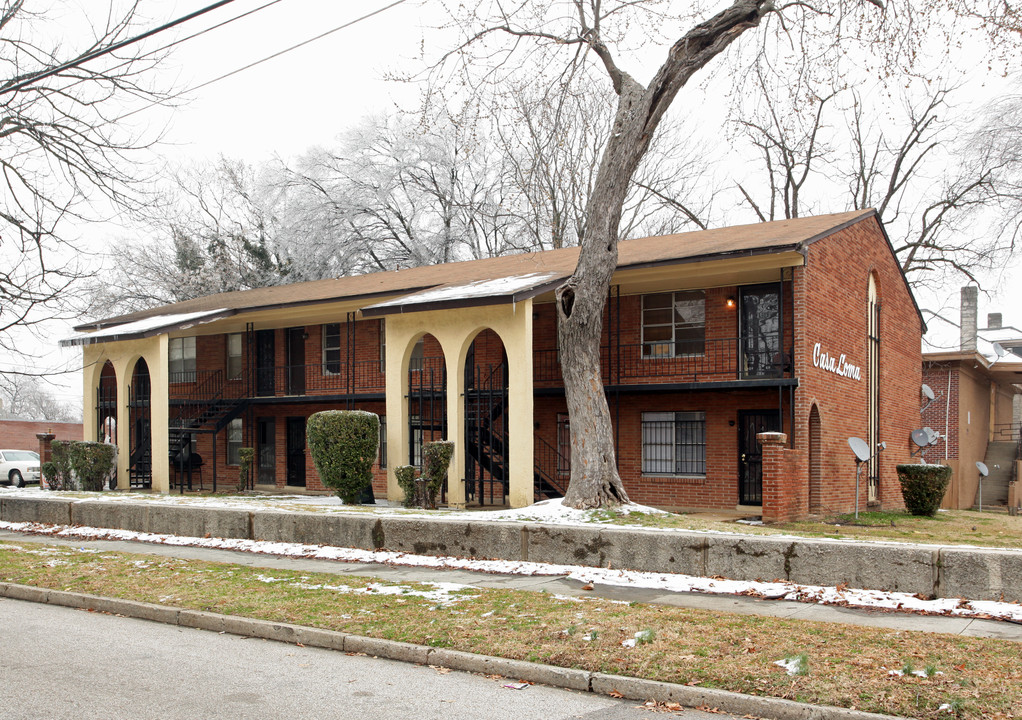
124	355
455	330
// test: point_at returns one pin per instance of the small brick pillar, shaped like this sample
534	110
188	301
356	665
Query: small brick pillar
45	453
777	486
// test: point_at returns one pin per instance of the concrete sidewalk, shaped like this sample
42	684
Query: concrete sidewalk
1001	630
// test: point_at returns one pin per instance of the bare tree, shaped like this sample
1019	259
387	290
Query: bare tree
23	397
572	33
62	147
929	179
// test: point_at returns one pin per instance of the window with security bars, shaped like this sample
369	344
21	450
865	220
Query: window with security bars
673	324
332	349
674	443
563	444
383	441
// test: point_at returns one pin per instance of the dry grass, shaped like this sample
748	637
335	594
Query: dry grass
847	666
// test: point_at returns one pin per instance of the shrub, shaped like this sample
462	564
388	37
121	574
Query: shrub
91	462
246	459
437	456
343	444
60	478
405	475
923	487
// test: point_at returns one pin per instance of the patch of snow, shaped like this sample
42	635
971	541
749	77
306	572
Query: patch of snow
669	582
184	320
792	665
478	289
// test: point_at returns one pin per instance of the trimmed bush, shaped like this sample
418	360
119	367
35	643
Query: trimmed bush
246	459
405	475
437	456
923	487
60	478
343	444
91	463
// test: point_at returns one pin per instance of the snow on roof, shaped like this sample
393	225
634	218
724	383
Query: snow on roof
139	328
495	287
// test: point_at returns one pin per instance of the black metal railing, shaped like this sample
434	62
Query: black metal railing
712	359
553	469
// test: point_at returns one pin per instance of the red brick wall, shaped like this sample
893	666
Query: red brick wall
831	294
21	434
942	413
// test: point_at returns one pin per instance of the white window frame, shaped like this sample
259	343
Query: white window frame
327	348
183	367
235	441
235	366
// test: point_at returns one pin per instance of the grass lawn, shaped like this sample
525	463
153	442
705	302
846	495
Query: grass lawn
869	669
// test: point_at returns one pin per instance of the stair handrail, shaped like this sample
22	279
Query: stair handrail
546	453
209	390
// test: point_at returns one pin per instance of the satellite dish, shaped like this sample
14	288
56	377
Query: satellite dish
860	448
928	392
932	435
920	438
999	350
983	472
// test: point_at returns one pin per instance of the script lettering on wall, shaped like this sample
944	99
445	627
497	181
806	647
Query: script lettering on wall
838	365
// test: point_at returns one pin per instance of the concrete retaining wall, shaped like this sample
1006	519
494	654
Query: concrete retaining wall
927	570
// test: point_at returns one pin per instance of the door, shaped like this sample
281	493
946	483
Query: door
760	331
264	362
296	361
266	443
296	451
750	453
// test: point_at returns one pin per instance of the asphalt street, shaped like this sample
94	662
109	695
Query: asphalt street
58	663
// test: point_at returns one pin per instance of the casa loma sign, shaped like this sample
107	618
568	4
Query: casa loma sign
837	365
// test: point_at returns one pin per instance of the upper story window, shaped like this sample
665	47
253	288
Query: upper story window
234	345
182	359
673	324
332	348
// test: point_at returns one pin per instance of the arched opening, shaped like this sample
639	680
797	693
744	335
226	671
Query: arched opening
487	471
106	405
427	398
140	457
873	360
815	461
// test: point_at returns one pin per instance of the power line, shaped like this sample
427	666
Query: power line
110	48
268	57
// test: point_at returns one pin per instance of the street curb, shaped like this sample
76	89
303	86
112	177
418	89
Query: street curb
568	678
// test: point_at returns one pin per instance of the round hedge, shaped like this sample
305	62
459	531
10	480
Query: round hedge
344	444
923	487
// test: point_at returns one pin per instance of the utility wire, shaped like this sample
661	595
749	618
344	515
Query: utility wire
110	48
267	58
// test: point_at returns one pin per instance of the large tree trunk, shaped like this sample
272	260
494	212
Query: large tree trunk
594	478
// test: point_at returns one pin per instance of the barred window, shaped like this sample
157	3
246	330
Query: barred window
673	324
332	349
563	444
383	441
674	443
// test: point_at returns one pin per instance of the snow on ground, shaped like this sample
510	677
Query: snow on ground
668	582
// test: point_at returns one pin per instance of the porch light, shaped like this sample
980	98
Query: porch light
731	302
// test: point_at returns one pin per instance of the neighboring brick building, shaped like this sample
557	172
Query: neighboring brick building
21	434
975	409
804	327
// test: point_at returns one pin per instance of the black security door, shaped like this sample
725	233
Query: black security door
266	444
760	318
750	453
296	361
264	362
296	451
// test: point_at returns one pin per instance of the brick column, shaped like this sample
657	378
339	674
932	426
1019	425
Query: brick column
777	485
45	453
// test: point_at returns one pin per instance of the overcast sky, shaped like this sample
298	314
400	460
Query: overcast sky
305	97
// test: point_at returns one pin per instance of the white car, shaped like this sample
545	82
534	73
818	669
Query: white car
18	467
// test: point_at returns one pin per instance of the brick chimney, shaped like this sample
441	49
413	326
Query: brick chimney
970	312
993	321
